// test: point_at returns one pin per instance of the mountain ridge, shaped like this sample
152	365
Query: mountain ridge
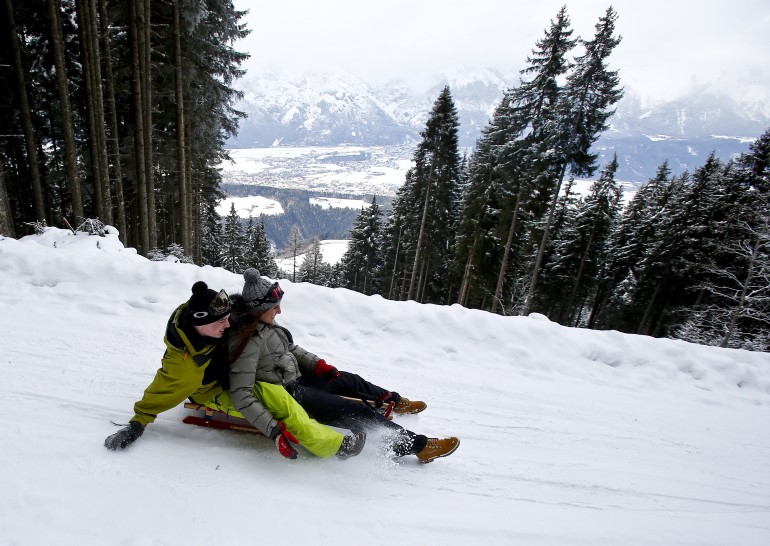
338	108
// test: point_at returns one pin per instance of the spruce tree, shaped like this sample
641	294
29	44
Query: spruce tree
361	262
630	240
580	244
521	138
426	208
295	246
583	110
474	226
258	252
116	65
210	236
491	204
199	68
733	304
396	252
670	274
649	290
233	243
313	268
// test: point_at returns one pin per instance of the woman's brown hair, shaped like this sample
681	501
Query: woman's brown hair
246	323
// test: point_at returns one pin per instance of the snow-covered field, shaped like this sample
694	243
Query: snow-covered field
569	437
255	206
332	203
252	206
331	251
341	169
381	172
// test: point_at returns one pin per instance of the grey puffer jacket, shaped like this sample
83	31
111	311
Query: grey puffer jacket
269	356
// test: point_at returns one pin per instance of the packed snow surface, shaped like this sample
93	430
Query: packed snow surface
569	436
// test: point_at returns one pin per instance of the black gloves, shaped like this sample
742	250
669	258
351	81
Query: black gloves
125	436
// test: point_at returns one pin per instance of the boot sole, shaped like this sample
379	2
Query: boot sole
409	412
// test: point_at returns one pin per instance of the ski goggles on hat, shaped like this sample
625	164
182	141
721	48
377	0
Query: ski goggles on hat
274	295
219	306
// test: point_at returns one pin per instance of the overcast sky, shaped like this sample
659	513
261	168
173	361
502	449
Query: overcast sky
668	47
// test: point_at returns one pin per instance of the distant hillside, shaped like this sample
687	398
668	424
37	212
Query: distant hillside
312	220
338	108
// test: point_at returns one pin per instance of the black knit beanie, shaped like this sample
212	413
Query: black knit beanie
199	311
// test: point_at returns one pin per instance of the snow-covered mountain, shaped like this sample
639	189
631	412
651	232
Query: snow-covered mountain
338	108
315	110
684	132
476	93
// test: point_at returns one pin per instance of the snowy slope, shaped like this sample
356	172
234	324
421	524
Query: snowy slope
568	436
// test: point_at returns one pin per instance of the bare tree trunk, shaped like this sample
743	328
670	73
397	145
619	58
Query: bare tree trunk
395	263
6	222
597	305
543	243
137	33
423	281
742	302
147	110
184	211
26	117
644	324
101	134
193	199
578	278
421	235
70	151
507	253
465	284
405	277
94	107
114	143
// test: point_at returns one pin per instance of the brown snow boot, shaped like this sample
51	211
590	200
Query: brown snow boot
406	406
438	447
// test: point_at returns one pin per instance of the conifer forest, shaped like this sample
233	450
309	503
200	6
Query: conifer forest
117	114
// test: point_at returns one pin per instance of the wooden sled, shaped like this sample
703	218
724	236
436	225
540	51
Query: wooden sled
386	411
217	419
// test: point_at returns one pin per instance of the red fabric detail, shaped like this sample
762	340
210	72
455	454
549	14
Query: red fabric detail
384	397
327	371
289	435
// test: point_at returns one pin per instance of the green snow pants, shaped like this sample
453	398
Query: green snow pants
318	439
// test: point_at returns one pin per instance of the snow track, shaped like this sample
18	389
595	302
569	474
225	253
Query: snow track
568	436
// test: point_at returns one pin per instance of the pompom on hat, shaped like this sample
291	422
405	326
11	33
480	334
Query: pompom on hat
206	305
259	294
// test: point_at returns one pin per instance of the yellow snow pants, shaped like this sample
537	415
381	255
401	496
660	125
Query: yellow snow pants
318	439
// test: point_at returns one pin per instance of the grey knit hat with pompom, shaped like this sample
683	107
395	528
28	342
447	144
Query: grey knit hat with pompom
257	296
